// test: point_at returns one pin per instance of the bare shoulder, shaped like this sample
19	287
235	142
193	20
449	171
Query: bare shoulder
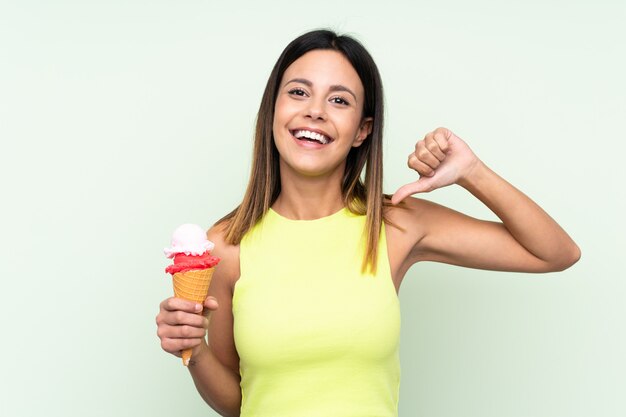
408	209
228	270
413	212
406	225
410	216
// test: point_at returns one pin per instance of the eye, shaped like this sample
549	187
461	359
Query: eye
340	100
297	92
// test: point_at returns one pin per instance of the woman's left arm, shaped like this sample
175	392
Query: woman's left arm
527	240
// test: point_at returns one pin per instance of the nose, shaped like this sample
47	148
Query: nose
316	109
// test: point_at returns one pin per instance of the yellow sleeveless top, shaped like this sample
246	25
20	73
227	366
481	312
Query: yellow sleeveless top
315	336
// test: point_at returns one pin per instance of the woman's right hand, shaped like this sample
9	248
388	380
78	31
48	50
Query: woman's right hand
180	324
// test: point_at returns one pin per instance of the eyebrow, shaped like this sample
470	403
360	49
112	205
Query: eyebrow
335	87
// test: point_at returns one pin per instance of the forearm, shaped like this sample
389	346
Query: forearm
528	223
217	384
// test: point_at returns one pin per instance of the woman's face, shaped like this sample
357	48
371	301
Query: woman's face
318	114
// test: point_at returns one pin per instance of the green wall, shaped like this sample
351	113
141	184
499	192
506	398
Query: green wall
121	119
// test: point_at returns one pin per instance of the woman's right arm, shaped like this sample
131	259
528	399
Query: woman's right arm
214	367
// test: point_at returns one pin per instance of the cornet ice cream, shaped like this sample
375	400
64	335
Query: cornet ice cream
193	266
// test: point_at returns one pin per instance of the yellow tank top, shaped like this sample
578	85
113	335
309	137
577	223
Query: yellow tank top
315	336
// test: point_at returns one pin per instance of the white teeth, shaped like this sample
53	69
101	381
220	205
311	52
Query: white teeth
311	135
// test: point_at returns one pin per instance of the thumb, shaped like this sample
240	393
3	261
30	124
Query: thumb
211	303
419	186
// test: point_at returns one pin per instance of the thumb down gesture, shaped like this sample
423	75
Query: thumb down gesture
441	159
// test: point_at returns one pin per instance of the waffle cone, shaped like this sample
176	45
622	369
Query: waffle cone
193	286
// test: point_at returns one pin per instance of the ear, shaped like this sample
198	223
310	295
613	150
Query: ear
364	130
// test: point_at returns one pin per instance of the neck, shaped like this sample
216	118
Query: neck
309	198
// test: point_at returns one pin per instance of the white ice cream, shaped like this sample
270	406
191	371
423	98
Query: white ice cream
189	239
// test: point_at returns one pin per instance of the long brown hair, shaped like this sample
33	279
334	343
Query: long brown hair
362	194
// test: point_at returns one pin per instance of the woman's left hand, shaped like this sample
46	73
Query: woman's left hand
441	159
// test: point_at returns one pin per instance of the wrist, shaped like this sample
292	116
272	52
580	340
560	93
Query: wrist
199	352
474	176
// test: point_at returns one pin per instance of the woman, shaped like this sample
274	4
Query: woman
304	307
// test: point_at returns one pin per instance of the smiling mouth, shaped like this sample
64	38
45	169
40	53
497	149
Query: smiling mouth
309	136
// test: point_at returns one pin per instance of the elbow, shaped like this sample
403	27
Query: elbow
573	256
226	410
568	258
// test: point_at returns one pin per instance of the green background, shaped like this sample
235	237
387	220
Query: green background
120	120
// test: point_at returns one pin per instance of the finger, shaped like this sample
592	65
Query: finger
437	145
442	137
180	304
419	186
425	155
171	346
211	303
188	332
419	166
175	346
180	332
182	318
